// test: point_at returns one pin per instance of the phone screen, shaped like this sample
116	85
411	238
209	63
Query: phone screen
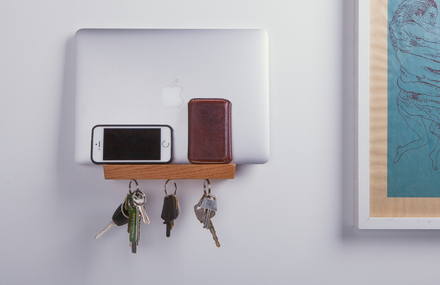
132	144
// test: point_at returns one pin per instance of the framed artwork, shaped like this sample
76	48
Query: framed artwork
398	115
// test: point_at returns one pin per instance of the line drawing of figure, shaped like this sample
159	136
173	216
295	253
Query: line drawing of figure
416	42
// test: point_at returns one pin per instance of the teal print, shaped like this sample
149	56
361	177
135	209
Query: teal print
413	99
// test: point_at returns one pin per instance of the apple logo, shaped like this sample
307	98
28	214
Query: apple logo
171	95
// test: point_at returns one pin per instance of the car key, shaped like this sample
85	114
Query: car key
135	215
200	213
139	201
201	216
209	204
213	233
134	226
170	210
119	218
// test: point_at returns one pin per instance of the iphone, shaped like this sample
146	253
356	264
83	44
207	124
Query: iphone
131	144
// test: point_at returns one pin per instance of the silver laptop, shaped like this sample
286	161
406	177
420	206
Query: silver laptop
148	76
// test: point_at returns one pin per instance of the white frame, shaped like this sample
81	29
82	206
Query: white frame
362	156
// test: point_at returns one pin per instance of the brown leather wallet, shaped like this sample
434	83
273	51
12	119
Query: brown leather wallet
209	131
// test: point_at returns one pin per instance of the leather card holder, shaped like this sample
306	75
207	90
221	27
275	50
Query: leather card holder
209	131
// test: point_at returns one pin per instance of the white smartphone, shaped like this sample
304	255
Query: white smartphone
131	144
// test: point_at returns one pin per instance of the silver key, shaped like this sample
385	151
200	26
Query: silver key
200	213
119	218
139	201
209	204
214	234
105	229
134	225
201	216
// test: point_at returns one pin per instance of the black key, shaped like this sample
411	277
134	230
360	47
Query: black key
170	212
119	218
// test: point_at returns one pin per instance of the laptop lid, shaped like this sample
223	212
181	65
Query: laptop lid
148	76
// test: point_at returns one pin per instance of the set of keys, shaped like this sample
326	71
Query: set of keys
170	210
205	210
132	212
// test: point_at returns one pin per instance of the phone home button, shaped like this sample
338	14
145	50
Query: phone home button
165	143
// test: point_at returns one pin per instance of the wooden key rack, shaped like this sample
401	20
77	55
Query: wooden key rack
166	171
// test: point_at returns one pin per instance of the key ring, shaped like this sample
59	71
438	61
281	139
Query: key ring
175	187
129	185
209	186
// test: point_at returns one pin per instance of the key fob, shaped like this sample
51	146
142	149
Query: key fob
120	217
170	210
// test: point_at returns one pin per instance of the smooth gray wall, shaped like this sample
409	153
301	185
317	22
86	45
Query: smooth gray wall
286	222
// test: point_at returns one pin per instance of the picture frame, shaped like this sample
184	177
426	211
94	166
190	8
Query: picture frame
375	207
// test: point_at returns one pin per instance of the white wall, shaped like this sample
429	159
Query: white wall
286	222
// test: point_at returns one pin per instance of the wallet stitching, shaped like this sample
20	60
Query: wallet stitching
212	162
208	100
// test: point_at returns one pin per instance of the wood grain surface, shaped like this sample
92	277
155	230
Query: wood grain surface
166	171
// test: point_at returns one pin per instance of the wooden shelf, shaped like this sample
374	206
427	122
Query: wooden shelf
166	171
